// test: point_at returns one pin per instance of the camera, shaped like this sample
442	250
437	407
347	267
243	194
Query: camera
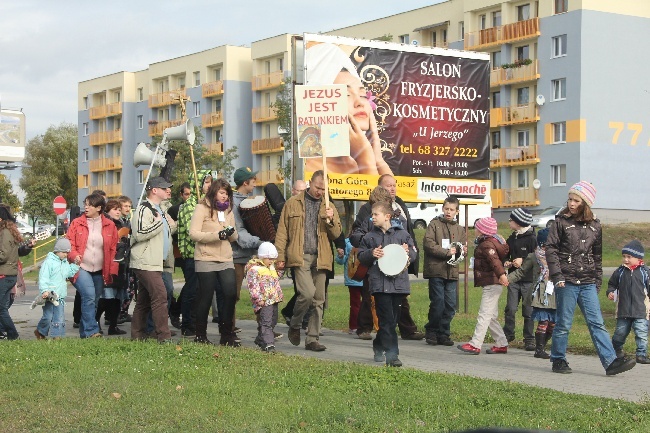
226	232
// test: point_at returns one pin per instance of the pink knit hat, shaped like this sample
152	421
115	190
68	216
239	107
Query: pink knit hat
487	226
585	191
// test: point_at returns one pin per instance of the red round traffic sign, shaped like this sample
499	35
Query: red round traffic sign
59	205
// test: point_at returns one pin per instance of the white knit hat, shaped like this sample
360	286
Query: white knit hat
324	62
267	251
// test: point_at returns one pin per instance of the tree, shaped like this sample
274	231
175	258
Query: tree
38	202
50	167
386	38
283	107
7	195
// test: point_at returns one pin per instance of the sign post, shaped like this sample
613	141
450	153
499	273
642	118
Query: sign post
59	206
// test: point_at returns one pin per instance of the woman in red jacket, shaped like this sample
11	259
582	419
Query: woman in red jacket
94	239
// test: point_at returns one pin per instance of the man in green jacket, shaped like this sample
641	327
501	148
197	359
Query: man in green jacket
304	242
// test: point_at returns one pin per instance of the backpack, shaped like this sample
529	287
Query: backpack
356	270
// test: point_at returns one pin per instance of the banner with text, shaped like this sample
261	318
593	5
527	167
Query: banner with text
412	112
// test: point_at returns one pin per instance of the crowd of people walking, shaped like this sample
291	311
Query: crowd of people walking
112	254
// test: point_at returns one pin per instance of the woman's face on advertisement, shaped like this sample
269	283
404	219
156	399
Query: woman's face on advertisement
358	105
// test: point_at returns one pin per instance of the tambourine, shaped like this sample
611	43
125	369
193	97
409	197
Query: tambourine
459	256
394	261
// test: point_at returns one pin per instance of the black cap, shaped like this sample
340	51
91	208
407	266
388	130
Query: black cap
158	182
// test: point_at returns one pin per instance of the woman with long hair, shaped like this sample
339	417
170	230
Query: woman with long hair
10	249
94	240
212	229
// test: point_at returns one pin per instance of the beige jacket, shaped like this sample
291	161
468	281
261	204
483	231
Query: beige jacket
204	231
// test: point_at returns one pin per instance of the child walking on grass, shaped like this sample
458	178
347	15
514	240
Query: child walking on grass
263	281
629	287
53	278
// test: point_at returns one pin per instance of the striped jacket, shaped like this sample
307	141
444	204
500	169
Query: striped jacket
147	238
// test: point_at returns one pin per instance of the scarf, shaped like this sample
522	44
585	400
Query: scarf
497	236
540	255
223	206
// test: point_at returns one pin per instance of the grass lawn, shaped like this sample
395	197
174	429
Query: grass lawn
116	385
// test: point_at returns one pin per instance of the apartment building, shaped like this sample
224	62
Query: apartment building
569	93
118	111
569	98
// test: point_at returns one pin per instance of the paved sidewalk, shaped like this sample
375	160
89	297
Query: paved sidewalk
588	375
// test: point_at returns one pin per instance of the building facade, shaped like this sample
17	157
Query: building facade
569	95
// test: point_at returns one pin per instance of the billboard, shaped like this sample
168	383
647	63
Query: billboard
419	114
12	136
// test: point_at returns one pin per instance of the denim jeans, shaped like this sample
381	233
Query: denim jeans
53	321
168	279
442	306
90	286
585	296
623	327
6	324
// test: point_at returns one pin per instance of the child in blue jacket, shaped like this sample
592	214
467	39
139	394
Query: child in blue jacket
53	278
354	287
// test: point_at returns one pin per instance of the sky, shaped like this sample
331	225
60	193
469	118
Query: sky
48	47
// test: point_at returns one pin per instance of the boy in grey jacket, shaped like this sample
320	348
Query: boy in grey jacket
388	291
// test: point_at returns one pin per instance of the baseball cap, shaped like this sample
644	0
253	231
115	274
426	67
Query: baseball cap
242	174
158	182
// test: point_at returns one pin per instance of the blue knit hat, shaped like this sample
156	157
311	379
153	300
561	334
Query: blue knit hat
542	235
635	249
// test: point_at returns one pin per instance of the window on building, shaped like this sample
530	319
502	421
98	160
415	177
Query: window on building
117	151
141	176
216	135
434	39
281	64
496	18
559	46
117	124
558	89
217	74
522	96
561	6
181	82
197	108
140	94
522	178
495	136
118	177
217	105
496	60
140	122
267	131
444	38
482	22
405	39
461	30
117	96
523	53
496	99
558	175
523	138
85	126
101	152
85	102
86	155
197	78
559	132
523	12
495	176
84	181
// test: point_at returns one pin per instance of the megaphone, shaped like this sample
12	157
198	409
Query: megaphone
145	156
184	132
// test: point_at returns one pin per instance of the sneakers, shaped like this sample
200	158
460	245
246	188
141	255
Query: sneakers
379	355
202	340
269	349
365	336
496	350
561	366
445	341
540	353
175	321
352	331
414	336
394	363
620	365
529	346
294	336
116	331
640	359
468	348
236	330
315	346
277	335
38	335
431	339
75	325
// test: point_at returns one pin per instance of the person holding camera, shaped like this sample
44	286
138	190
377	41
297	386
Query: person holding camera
212	228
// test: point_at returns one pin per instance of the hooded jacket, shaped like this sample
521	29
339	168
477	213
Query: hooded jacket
489	255
53	275
185	244
9	252
378	282
435	256
246	244
263	284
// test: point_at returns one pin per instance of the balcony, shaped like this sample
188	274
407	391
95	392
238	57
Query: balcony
111	190
264	114
511	156
504	116
267	145
109	110
210	120
166	98
216	147
106	137
522	74
514	197
214	88
268	176
486	38
267	81
159	127
103	164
